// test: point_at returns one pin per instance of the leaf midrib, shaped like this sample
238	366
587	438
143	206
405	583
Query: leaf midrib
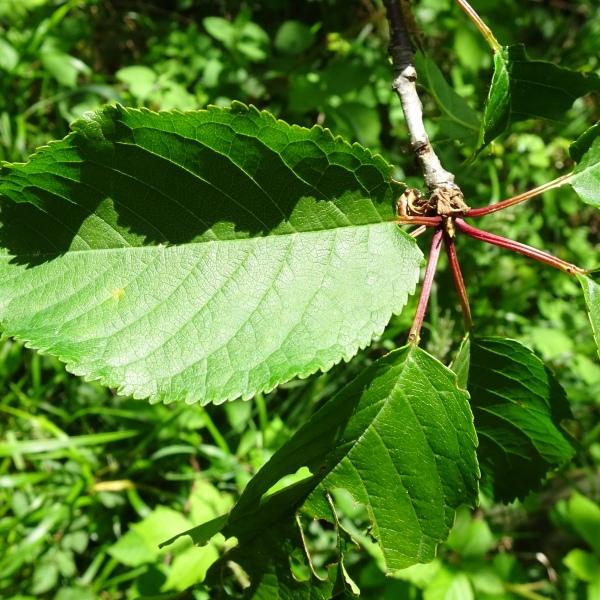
150	247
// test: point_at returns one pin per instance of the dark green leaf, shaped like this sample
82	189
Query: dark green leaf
522	89
399	439
518	406
200	256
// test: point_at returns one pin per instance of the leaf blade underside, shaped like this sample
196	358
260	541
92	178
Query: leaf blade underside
200	256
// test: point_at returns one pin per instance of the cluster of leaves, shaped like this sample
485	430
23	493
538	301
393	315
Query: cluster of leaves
83	247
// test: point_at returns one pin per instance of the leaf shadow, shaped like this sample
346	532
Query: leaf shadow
170	190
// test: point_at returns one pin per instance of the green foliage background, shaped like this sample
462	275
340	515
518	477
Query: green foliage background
90	482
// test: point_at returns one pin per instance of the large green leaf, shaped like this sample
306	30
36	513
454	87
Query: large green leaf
200	256
591	293
586	175
399	438
522	89
518	406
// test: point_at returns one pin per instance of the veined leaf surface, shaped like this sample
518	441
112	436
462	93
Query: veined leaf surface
522	88
399	438
200	256
518	406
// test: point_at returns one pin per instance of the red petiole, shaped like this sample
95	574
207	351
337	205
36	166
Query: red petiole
539	255
458	280
492	208
417	220
434	253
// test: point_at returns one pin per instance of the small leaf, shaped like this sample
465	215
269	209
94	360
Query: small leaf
586	175
399	439
9	57
584	515
522	89
294	37
200	256
591	293
518	406
583	564
139	79
582	144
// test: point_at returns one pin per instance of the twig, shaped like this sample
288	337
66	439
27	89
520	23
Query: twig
434	253
492	208
539	255
458	280
405	77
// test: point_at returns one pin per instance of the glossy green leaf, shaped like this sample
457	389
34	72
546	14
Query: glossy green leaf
523	88
399	439
200	256
586	175
518	406
591	293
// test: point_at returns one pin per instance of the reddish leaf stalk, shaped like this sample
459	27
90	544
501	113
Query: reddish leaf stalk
417	220
434	253
492	208
458	280
539	255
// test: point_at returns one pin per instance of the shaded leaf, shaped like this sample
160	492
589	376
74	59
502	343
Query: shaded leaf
523	88
518	406
399	439
200	256
455	107
582	144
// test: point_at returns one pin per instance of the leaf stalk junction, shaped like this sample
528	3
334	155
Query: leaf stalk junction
445	228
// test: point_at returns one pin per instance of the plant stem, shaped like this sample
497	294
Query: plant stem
485	31
405	77
492	208
539	255
434	253
458	280
416	220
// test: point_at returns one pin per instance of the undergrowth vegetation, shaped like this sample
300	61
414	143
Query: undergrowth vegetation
92	482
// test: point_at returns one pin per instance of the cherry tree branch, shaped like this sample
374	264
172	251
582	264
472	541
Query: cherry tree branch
405	77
